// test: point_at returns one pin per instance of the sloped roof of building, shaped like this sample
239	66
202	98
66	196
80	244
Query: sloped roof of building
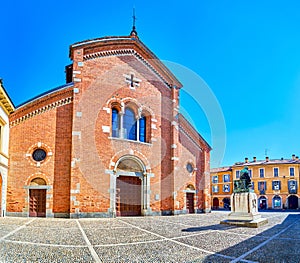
293	160
221	169
46	93
192	132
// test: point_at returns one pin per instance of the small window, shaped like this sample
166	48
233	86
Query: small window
261	172
226	178
142	129
190	167
39	155
215	188
292	171
262	187
276	185
226	188
275	171
237	174
115	123
215	179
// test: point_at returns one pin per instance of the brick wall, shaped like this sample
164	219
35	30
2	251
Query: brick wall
40	124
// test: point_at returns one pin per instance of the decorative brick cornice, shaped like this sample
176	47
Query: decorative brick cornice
122	46
108	53
126	52
41	110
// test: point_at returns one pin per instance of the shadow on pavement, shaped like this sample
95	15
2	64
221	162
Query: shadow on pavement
280	243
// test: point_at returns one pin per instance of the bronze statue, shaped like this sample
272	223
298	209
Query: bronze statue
244	175
244	183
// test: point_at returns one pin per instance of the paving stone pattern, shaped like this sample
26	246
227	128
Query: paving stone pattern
184	238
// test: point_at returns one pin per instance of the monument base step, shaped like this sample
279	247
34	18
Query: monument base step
244	223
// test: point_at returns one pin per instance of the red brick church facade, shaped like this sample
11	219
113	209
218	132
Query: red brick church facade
111	142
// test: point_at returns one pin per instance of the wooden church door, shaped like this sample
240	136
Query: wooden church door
190	203
37	202
128	196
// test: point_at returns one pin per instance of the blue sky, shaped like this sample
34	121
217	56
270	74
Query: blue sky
246	53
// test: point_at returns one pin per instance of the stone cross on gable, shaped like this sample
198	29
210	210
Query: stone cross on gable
134	82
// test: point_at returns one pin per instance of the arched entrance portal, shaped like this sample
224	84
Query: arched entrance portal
129	186
293	202
37	198
262	202
190	199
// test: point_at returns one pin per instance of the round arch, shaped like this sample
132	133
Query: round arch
130	163
38	181
277	201
293	202
262	202
226	202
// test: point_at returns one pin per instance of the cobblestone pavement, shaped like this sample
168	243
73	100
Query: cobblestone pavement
185	238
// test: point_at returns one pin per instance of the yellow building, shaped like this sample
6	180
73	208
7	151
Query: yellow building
6	107
221	187
275	182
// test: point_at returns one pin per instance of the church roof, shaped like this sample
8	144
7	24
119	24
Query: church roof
46	93
189	129
125	45
5	100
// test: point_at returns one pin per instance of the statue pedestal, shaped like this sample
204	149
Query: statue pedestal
244	211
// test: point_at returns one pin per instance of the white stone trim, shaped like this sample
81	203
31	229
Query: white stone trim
106	109
153	126
77	133
106	129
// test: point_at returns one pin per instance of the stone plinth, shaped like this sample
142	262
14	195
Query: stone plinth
244	211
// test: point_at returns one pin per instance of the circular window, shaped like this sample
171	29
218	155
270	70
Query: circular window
190	167
39	155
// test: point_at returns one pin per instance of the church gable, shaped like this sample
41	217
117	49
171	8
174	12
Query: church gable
122	46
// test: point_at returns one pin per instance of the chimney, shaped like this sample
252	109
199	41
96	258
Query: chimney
254	159
246	159
267	158
293	156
